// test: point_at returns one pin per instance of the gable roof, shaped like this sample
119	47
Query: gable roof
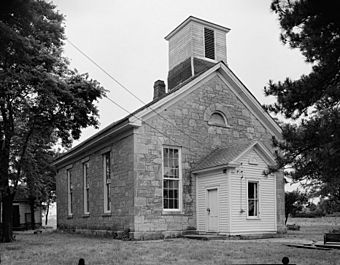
135	118
220	157
233	83
118	125
195	19
230	155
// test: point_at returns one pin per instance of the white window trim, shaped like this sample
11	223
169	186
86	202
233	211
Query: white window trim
107	203
86	189
258	199
180	190
69	192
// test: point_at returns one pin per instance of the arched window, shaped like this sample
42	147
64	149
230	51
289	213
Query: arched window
217	119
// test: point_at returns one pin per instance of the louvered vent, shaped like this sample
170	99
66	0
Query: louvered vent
209	43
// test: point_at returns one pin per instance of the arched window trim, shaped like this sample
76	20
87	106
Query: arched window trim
225	125
221	109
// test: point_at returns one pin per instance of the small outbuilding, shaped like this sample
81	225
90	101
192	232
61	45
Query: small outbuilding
233	194
23	210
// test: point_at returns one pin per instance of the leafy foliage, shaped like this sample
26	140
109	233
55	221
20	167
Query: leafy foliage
294	202
329	205
311	145
42	101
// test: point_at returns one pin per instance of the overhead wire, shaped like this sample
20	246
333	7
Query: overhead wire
129	91
167	136
102	69
119	105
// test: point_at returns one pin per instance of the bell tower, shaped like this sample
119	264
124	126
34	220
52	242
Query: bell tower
194	46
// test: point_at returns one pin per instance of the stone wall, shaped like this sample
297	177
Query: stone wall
183	124
121	216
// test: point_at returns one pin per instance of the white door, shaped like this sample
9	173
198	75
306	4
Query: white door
212	211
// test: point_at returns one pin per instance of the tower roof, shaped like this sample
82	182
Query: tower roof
195	19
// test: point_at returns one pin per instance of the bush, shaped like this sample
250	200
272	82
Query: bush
336	214
314	214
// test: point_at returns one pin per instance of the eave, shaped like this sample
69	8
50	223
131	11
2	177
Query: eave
195	19
228	165
98	138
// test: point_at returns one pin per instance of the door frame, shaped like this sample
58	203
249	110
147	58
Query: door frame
207	189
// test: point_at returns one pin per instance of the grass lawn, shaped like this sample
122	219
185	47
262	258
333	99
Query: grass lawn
60	248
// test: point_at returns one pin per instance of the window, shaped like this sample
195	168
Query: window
69	192
107	182
209	43
172	177
217	119
86	188
253	199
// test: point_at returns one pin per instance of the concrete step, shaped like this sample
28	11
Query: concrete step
205	237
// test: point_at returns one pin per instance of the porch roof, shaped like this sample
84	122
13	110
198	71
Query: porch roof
229	156
221	156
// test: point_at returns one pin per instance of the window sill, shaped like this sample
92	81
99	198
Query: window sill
69	216
219	125
106	214
253	218
172	213
86	215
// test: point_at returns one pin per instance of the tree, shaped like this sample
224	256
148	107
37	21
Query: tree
42	101
39	175
329	205
311	144
294	202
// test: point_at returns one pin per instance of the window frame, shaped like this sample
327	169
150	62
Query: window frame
255	199
69	193
179	179
107	182
86	188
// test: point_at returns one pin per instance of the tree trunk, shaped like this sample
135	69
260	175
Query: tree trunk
32	208
7	217
47	210
6	194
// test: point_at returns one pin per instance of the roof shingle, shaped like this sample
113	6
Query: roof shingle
221	156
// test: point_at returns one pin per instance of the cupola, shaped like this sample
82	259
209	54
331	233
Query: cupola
194	46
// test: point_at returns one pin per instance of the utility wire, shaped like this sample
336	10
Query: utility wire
118	105
129	91
101	68
167	136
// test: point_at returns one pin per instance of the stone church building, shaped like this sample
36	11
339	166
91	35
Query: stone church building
193	158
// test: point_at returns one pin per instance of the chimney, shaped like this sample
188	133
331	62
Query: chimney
158	89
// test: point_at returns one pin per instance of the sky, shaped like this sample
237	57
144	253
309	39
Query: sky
126	39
